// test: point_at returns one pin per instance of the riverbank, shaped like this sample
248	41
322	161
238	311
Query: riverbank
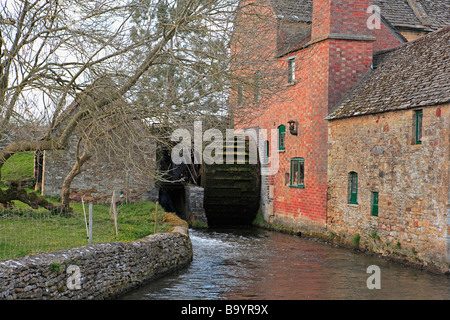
101	271
370	245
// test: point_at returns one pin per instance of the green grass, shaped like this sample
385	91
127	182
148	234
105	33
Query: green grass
356	240
24	231
36	231
19	166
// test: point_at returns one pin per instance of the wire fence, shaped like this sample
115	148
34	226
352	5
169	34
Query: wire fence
25	232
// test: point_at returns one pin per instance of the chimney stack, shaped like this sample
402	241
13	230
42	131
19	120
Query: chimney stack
340	17
344	41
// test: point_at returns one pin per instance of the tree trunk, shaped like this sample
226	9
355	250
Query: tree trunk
16	192
72	174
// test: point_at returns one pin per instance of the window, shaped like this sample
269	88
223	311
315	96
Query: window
240	95
282	137
266	152
418	125
297	173
257	93
291	70
353	188
374	211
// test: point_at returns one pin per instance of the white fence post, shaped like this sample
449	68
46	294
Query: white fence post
90	223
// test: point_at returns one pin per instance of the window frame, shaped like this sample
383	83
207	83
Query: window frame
300	163
352	195
240	94
291	70
282	137
418	128
266	151
257	87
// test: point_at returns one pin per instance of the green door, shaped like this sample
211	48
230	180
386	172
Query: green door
375	204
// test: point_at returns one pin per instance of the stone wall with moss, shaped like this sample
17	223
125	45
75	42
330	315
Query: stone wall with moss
412	182
101	271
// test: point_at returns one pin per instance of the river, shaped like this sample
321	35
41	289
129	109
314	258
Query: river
256	264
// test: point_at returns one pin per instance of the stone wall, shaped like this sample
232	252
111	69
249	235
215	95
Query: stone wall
412	181
194	204
102	271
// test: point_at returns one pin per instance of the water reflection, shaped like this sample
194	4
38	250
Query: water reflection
258	264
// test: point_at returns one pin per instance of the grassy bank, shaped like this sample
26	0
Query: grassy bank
19	166
24	231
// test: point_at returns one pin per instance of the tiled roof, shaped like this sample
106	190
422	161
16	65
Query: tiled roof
293	10
291	36
438	11
416	74
397	12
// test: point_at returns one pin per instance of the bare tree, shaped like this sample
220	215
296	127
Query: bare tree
172	68
49	51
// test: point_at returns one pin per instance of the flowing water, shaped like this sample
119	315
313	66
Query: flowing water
255	264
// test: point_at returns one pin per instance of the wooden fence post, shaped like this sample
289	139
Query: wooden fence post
156	216
114	212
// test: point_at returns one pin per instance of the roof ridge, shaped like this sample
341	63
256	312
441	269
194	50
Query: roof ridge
419	11
420	14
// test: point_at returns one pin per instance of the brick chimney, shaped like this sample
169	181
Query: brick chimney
340	30
340	17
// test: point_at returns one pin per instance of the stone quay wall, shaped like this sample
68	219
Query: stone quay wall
97	272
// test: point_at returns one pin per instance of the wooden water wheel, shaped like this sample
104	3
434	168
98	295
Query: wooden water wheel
232	191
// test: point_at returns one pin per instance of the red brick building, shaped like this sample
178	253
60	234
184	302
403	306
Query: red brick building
322	48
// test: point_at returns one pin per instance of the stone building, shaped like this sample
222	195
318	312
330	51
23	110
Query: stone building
100	177
327	49
389	152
